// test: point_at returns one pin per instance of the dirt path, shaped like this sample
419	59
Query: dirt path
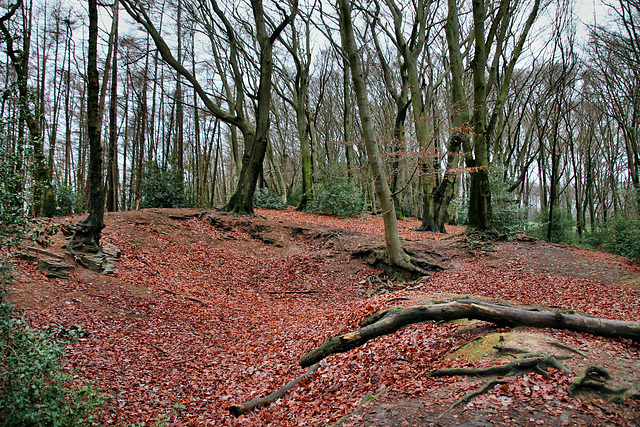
207	310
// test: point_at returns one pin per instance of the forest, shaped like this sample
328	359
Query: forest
266	180
203	104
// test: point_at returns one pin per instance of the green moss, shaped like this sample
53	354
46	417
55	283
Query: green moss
476	349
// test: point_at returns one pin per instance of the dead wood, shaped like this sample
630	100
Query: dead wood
538	363
567	347
293	292
186	297
594	378
389	321
242	408
474	393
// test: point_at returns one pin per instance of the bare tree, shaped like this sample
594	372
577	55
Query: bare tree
256	133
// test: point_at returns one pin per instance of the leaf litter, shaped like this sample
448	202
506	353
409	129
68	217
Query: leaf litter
197	318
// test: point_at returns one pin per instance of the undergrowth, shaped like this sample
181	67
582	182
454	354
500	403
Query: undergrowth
35	390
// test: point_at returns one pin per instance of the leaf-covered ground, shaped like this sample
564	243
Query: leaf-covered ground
203	313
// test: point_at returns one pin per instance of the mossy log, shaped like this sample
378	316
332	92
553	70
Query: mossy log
389	321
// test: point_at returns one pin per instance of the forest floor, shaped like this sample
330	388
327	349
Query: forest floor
205	310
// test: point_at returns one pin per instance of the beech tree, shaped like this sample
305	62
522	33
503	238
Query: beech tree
43	196
491	78
86	236
395	252
255	133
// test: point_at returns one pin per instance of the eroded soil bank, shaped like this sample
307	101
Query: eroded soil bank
205	310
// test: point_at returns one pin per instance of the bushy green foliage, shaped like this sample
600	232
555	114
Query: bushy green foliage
267	198
69	201
34	390
625	237
336	194
508	216
295	197
162	189
339	198
563	227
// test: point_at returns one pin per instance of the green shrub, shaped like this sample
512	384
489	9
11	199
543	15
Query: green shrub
600	238
69	201
337	198
34	391
295	197
625	240
162	189
267	198
508	216
563	228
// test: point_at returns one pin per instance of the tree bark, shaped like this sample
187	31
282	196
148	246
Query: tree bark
395	251
389	321
44	197
112	155
87	233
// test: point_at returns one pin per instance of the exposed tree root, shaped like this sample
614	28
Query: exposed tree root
242	408
368	398
388	321
414	268
534	362
567	347
467	397
594	378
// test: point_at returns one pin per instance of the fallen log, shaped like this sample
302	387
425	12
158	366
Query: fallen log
389	321
241	408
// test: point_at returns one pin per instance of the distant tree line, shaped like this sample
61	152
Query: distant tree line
489	113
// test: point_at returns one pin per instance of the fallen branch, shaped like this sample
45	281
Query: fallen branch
293	292
567	347
186	297
474	393
529	363
241	408
389	321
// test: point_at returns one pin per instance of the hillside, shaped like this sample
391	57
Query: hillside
205	310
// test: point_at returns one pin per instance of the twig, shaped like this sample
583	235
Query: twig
185	297
241	408
293	292
160	349
467	397
567	347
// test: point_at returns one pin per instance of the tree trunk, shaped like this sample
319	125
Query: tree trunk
112	155
44	197
480	215
395	251
389	321
86	237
